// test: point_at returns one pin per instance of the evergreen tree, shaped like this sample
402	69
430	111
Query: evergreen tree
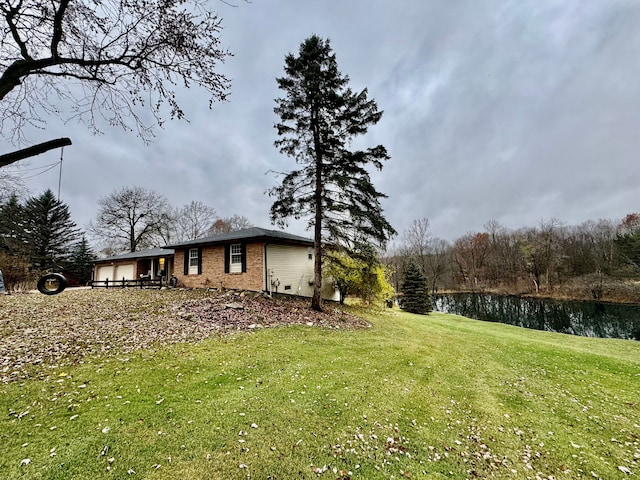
51	232
12	228
415	292
628	245
13	244
319	118
81	261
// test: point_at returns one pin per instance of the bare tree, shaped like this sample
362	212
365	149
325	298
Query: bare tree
110	58
10	184
395	260
505	260
131	219
430	253
438	262
193	220
229	224
630	223
417	238
541	248
550	238
604	235
470	253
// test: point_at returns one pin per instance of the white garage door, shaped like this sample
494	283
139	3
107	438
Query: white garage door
104	272
124	271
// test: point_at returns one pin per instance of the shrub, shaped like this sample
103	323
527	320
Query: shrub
16	274
415	295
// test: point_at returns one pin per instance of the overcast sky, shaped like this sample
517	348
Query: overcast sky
515	111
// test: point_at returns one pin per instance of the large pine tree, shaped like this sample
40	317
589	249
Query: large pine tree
51	231
319	118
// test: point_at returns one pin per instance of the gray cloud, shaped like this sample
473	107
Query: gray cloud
513	111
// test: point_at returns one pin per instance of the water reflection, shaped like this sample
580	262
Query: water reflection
588	319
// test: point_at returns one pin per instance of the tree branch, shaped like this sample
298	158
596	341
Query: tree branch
57	28
12	157
9	15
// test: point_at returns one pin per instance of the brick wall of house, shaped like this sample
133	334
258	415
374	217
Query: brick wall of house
138	270
213	275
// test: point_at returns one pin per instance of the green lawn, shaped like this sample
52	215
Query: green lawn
435	396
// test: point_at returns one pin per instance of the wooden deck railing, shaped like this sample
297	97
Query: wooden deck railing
125	283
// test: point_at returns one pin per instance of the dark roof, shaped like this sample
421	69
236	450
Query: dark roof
151	253
253	233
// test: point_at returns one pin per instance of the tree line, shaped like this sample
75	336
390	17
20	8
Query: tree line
135	218
594	260
38	235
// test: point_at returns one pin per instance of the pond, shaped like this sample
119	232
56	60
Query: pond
588	319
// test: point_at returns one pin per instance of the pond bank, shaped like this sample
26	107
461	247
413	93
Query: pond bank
611	291
589	319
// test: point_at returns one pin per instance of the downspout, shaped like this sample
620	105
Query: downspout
267	277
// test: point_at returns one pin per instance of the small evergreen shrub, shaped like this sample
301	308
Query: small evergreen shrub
415	295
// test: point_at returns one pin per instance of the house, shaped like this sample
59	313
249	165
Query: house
254	259
155	262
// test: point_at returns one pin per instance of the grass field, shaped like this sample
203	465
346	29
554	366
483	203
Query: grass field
435	396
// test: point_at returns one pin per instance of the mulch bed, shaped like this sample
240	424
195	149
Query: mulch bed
39	333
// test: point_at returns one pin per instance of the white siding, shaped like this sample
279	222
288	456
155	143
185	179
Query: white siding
291	270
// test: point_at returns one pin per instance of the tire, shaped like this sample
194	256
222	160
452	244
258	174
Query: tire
52	284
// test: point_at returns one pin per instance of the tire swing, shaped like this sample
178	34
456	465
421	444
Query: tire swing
52	284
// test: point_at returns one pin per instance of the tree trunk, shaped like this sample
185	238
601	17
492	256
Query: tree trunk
132	238
316	300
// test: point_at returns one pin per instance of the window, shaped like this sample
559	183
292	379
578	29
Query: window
235	258
236	253
310	253
193	257
193	261
235	261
